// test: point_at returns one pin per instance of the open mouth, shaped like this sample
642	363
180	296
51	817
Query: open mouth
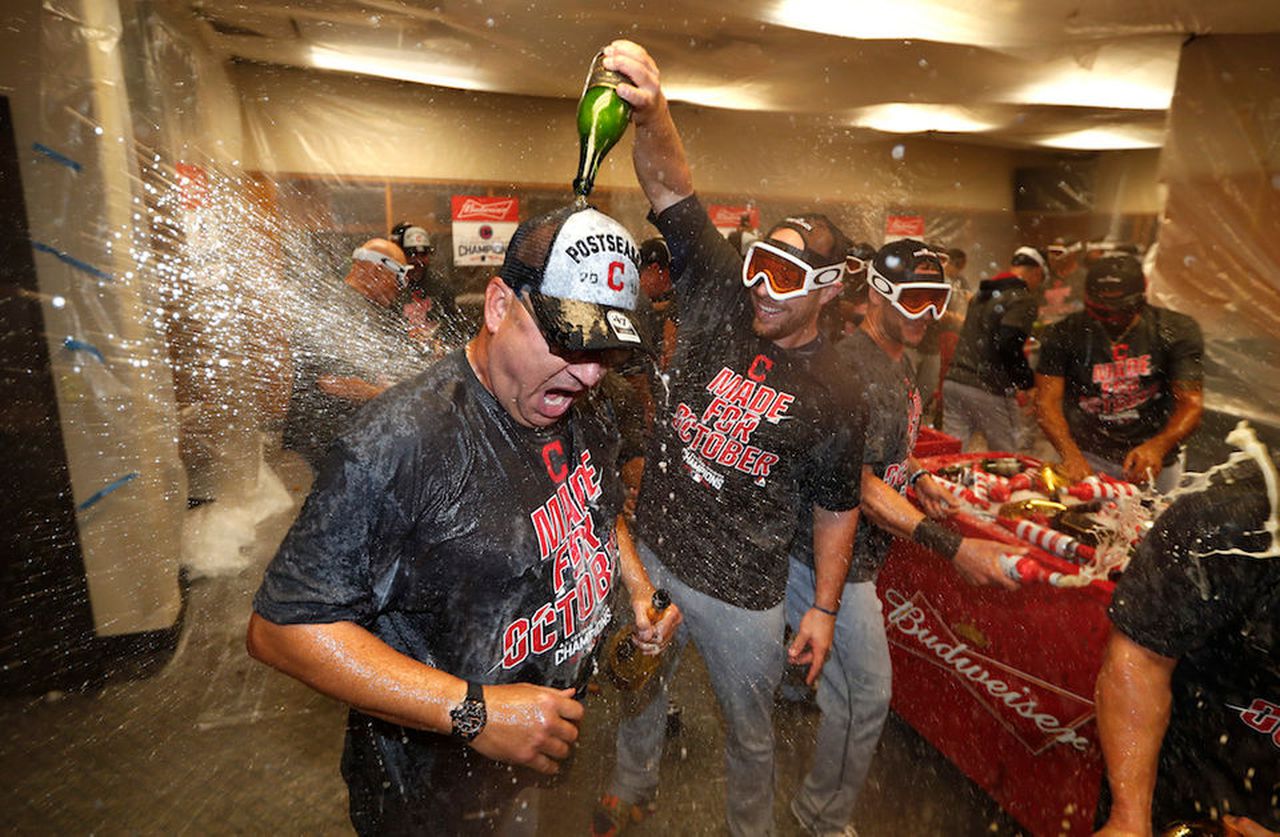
555	402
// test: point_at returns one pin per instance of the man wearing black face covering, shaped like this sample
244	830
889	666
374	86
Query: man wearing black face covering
1119	384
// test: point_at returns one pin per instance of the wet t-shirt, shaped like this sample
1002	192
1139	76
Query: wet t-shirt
894	409
741	427
1002	306
1219	616
461	539
1118	394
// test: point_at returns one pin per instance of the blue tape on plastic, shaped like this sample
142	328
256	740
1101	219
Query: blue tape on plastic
56	156
73	261
107	489
81	346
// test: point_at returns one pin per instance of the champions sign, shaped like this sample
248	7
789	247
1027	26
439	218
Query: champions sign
482	227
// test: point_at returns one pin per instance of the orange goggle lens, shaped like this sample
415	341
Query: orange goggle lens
783	275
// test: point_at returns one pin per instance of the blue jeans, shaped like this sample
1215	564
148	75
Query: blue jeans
744	655
853	694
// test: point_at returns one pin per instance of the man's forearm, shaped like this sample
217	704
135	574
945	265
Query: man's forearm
634	575
660	162
1133	705
832	550
1187	412
888	509
348	663
1051	418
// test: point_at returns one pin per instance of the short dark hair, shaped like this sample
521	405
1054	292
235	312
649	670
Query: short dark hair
956	255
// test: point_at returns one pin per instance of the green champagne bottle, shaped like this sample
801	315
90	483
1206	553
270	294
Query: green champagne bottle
626	666
602	119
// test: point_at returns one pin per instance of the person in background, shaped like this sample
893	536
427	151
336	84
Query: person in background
928	354
756	413
449	575
1063	289
1188	696
907	294
842	317
427	301
1118	387
347	347
742	237
989	381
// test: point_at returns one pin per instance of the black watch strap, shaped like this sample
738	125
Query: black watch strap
470	716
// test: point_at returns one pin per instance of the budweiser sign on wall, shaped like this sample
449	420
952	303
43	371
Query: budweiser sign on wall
482	227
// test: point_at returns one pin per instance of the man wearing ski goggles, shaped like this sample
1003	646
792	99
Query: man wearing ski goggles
786	270
920	295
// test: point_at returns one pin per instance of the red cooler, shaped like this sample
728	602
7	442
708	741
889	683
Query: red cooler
1001	682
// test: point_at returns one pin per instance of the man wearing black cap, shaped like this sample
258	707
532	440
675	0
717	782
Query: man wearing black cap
907	293
448	577
755	411
989	379
1119	384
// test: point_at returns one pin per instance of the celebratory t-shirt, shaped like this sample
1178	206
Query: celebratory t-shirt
460	538
894	408
1187	595
742	424
1118	394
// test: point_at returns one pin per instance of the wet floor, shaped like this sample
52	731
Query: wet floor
215	743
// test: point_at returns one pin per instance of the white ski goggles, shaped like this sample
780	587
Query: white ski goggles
786	276
911	299
401	271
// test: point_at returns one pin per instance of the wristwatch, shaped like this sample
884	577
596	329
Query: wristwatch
469	717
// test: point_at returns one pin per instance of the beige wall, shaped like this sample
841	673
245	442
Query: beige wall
324	123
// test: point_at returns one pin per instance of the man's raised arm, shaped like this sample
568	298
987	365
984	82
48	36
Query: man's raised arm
658	154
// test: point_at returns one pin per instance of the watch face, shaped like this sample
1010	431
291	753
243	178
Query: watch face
468	719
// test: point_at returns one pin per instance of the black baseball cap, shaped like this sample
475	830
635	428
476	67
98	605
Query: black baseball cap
908	260
579	270
824	242
1115	280
655	251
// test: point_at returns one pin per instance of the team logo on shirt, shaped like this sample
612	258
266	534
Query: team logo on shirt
1120	382
1261	716
581	570
895	476
722	433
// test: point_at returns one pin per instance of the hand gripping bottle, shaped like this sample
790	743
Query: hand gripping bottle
626	665
602	119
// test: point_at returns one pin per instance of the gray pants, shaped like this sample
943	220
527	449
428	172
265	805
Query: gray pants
744	655
966	410
853	694
1166	481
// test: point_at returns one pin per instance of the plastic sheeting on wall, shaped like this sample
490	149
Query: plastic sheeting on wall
1218	255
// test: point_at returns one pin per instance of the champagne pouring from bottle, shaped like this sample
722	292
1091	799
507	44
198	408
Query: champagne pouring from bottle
602	120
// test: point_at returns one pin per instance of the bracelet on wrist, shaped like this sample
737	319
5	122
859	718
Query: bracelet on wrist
915	477
933	535
825	610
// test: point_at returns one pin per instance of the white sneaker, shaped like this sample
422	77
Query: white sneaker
809	828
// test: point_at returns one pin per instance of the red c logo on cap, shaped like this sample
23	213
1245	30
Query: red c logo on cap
618	270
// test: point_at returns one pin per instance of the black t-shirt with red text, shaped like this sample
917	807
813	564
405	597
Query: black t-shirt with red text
1202	589
894	409
462	539
1117	395
742	426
